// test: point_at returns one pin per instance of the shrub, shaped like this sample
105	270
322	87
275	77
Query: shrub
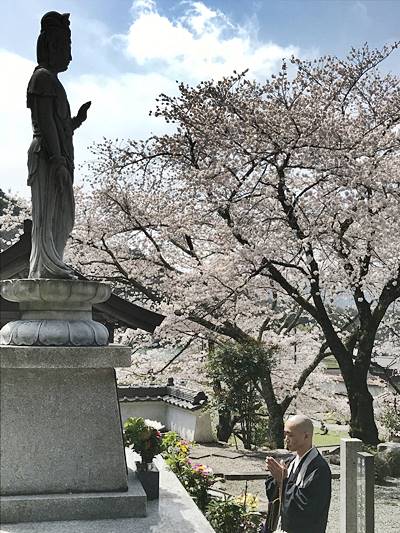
382	469
232	515
390	419
393	461
224	515
195	477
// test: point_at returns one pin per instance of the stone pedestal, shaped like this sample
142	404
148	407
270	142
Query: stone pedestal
60	427
62	453
54	312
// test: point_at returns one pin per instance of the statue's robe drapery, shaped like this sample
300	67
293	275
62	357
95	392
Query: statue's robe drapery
53	206
306	494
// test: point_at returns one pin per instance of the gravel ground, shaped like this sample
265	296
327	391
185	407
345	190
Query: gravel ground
387	498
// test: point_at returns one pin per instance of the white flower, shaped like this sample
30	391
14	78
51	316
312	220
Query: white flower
153	424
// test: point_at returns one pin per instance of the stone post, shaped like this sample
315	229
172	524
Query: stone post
365	493
348	484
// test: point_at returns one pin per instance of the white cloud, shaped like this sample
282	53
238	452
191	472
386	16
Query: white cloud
120	108
15	125
200	44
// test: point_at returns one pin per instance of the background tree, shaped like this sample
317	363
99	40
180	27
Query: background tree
290	185
13	211
237	371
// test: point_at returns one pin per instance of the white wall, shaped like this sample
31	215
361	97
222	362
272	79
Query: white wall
152	410
190	425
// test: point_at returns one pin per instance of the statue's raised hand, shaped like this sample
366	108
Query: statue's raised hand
82	113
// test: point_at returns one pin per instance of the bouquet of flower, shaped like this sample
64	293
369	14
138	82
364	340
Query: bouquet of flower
142	438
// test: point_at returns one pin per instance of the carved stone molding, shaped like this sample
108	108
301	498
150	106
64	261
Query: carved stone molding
54	312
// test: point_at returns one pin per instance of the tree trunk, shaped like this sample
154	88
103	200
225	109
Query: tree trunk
362	422
276	426
225	425
225	422
355	375
275	412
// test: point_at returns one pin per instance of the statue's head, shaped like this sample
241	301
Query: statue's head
54	42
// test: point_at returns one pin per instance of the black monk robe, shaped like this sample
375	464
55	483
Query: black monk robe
306	494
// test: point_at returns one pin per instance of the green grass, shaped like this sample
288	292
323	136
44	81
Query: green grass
330	363
331	439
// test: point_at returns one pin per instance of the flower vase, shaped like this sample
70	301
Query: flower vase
149	477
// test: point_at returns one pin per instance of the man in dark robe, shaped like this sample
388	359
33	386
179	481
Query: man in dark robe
305	481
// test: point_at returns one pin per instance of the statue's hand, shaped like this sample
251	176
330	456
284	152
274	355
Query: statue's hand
82	113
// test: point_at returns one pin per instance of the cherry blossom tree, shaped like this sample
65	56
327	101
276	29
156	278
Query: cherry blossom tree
13	212
287	187
271	204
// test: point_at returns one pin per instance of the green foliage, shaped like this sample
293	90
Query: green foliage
229	515
390	419
382	469
261	430
195	477
143	439
393	461
169	440
241	362
238	369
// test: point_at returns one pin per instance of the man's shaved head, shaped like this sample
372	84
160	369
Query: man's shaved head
303	423
299	431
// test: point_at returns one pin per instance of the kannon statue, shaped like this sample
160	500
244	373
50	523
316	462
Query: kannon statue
51	153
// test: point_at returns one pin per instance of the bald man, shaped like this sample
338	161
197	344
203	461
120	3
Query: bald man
305	479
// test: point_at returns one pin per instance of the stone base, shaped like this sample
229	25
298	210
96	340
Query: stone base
54	312
60	427
89	506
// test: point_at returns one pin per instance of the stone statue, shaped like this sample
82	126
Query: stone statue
51	153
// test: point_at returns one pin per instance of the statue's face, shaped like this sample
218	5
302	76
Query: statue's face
60	55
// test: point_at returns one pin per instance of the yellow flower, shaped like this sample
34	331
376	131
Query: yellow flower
250	501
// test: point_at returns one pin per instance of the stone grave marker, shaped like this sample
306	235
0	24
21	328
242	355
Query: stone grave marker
357	480
365	493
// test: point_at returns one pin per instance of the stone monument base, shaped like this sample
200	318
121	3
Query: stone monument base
62	452
60	427
87	506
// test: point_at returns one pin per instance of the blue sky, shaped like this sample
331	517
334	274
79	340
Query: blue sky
126	52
